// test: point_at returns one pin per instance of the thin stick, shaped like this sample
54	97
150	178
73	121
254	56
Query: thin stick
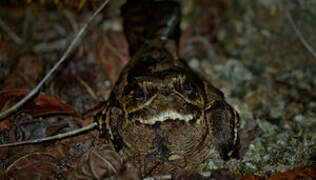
62	59
26	22
114	50
15	37
205	174
58	136
88	88
300	36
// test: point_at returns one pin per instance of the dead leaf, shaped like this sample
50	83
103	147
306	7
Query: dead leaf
112	54
308	172
26	73
129	172
33	165
187	175
99	162
42	116
196	39
8	56
40	105
65	154
222	174
251	177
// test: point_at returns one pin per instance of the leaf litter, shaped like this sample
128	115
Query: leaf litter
244	57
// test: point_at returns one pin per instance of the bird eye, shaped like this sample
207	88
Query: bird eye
140	92
187	85
144	59
137	123
147	60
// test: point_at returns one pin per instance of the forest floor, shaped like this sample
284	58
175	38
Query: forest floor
261	54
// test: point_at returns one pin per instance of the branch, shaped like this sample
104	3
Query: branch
300	36
13	36
58	136
62	59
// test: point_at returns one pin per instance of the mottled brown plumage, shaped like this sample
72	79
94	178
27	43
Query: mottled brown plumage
159	108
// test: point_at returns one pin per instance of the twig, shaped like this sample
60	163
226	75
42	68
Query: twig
71	19
114	50
107	162
74	26
205	174
62	59
300	36
88	88
58	136
15	37
162	177
24	157
26	22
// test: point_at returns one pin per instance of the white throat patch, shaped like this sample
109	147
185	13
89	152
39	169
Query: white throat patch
165	116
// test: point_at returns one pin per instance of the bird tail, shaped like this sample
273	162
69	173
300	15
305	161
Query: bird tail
148	20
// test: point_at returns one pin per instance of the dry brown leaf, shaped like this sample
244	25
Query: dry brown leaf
39	106
128	172
26	73
112	54
195	40
65	154
33	165
222	174
250	177
99	162
27	123
43	116
308	172
8	56
187	175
